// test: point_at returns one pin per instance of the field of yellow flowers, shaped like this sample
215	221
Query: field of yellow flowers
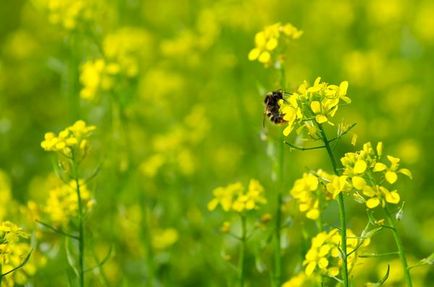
216	143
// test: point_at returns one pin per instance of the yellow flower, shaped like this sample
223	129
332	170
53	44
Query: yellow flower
337	185
61	205
250	200
123	51
268	40
13	253
66	13
224	196
305	192
380	195
312	105
367	173
233	197
324	256
95	76
390	173
71	140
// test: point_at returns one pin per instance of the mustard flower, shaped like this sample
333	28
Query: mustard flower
324	256
61	205
67	14
123	51
15	251
72	140
97	75
305	192
10	237
251	199
371	178
269	39
313	186
309	106
234	197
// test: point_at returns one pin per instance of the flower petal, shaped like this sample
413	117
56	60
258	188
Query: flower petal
372	202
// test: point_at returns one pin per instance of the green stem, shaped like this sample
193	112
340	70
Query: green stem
80	225
341	205
278	216
401	251
243	239
278	221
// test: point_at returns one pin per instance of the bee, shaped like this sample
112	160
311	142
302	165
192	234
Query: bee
272	109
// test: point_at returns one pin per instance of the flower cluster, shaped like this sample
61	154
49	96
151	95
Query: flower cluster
373	177
234	197
268	40
312	105
13	253
175	147
315	186
305	192
65	13
72	141
97	75
324	256
61	205
122	51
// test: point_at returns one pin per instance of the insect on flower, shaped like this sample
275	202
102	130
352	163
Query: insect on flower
272	108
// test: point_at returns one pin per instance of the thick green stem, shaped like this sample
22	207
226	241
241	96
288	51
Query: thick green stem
243	240
341	205
80	226
401	251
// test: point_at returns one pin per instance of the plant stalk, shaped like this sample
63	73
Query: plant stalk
341	205
80	226
399	245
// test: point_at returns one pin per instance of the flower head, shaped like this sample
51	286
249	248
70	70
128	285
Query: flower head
61	205
371	177
310	106
324	256
234	197
123	50
268	40
313	186
71	140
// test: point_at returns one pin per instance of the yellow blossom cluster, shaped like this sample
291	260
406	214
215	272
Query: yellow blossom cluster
97	75
174	148
122	51
234	197
13	253
313	186
324	256
65	13
372	176
61	205
310	106
268	40
72	141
